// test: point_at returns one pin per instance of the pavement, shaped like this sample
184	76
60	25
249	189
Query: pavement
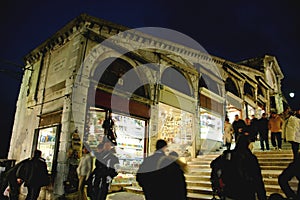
125	196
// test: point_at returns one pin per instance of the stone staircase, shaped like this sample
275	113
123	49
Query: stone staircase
198	178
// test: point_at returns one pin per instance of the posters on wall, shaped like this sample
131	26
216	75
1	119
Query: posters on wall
176	127
46	143
130	141
211	125
130	137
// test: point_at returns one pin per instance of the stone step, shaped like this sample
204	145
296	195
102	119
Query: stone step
198	183
198	176
191	177
195	196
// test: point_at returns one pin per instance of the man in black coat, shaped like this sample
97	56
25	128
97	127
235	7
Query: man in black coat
263	132
13	181
35	175
240	173
161	177
238	126
149	175
105	171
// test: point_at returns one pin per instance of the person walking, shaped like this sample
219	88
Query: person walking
173	177
283	179
263	131
228	133
83	171
34	173
149	176
238	126
13	181
105	171
254	123
236	173
249	131
291	132
275	126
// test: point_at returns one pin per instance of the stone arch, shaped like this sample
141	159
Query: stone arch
230	86
116	76
208	83
176	79
260	91
248	89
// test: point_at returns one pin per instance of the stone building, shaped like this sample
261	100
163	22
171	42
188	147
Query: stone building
155	88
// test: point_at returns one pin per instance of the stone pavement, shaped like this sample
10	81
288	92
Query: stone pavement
125	196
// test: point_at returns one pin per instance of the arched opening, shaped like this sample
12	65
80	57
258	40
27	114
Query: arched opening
175	79
259	91
230	86
206	82
248	90
120	75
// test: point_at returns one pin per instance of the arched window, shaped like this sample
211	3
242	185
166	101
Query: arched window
208	83
175	79
248	89
119	75
259	91
231	87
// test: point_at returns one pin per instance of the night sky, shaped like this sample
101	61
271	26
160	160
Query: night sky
235	31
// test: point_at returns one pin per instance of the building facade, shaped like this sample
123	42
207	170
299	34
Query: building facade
153	87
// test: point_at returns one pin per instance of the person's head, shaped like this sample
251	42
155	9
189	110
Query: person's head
161	145
253	116
85	150
273	114
37	153
247	121
264	115
227	119
242	143
236	117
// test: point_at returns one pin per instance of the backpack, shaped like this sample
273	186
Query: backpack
229	173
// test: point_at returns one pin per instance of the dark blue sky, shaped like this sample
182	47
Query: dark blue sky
234	30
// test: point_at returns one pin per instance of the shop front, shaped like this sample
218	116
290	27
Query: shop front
130	128
176	113
211	117
130	132
46	138
176	127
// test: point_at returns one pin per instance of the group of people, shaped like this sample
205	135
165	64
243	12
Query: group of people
244	180
32	172
98	179
284	126
251	127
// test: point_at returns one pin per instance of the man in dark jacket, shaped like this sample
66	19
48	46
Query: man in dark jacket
263	132
104	172
238	126
241	173
35	175
150	175
13	181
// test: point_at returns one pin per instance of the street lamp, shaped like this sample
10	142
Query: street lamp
292	94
